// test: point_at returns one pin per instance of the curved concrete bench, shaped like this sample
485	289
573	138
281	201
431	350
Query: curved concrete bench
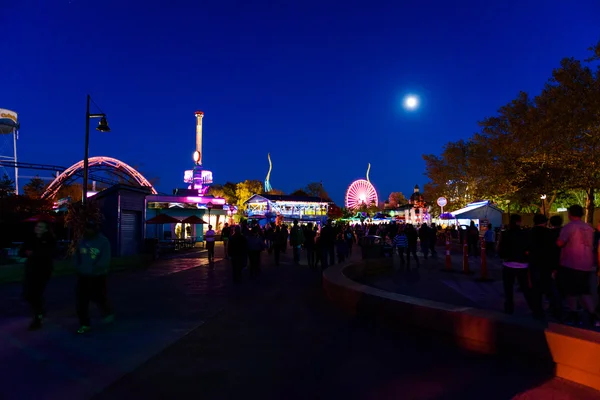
574	352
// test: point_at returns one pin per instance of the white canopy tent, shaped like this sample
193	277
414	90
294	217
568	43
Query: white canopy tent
476	212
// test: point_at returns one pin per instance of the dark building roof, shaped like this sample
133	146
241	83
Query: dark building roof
307	199
122	187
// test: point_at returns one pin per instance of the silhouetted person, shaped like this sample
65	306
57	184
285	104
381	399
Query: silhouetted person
411	236
350	239
285	234
424	239
309	244
577	260
225	235
472	239
513	249
433	239
489	237
237	250
327	243
256	245
39	251
539	266
296	241
209	236
92	262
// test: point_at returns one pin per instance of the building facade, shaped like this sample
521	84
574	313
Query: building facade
268	208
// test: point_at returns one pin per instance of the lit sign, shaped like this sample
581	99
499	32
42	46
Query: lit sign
207	177
188	176
193	199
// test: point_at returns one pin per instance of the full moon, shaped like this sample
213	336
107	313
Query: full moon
411	102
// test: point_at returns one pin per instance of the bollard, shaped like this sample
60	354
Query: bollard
484	271
448	266
466	270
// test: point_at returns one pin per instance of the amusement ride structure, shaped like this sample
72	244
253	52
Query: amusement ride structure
198	178
361	192
268	187
117	168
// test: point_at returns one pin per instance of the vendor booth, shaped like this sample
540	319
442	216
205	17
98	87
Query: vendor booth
482	213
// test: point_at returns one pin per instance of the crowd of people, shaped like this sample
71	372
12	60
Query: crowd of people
324	246
552	261
547	260
244	243
91	260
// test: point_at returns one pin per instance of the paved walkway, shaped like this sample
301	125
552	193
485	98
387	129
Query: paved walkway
154	308
279	338
276	337
431	283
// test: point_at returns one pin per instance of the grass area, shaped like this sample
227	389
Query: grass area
14	272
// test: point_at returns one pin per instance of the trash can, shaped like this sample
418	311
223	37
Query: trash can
371	247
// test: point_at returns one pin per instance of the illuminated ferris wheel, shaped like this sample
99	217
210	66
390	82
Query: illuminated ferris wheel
361	192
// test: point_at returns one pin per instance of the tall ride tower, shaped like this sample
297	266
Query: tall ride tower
198	178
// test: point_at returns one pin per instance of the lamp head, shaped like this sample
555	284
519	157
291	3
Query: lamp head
196	156
103	125
209	206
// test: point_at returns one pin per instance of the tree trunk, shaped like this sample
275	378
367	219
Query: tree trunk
589	206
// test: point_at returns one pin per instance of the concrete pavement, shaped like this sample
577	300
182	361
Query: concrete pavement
185	331
154	308
279	338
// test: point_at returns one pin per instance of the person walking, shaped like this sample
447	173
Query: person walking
350	239
401	244
237	250
576	241
296	241
256	245
411	236
277	243
39	252
327	243
472	239
309	244
424	240
225	235
433	237
92	262
209	237
539	266
489	237
513	249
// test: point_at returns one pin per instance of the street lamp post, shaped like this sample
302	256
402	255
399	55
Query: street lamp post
543	197
102	127
209	207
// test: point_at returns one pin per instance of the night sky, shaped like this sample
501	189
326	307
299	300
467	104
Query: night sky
319	84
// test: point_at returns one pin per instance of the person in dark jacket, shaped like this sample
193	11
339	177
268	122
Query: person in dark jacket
92	262
309	244
256	245
433	237
513	250
473	239
327	243
237	250
540	267
411	236
39	251
296	241
424	239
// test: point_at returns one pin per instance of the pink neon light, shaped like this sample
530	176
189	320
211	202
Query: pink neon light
93	161
205	200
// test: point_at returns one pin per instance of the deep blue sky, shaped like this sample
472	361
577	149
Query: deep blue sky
318	84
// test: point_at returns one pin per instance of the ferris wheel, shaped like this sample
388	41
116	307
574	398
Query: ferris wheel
361	192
